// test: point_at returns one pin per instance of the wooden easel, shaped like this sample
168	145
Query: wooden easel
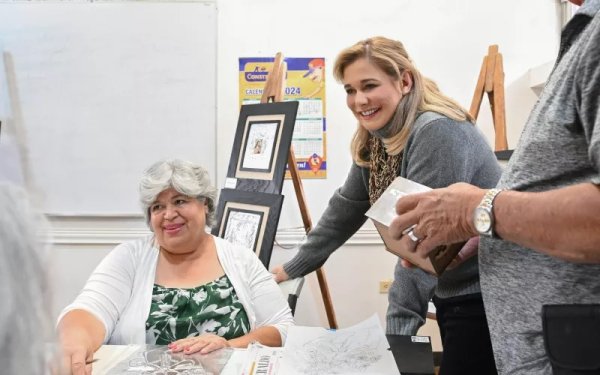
273	92
491	81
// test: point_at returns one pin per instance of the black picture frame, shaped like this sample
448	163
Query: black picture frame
260	149
249	219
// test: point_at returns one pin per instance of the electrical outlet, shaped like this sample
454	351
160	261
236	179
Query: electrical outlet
384	286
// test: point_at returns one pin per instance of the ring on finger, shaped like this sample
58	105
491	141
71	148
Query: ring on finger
411	234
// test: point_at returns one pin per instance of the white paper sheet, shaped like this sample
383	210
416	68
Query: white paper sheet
262	360
384	209
360	349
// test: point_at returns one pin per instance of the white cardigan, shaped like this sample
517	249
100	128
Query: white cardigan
119	291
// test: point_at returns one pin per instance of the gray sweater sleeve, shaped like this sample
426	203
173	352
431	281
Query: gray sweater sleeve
438	154
344	215
408	300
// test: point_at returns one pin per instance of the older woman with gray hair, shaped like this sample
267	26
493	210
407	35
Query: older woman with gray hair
24	315
179	286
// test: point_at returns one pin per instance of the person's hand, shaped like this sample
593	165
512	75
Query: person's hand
279	274
76	359
437	217
204	344
470	249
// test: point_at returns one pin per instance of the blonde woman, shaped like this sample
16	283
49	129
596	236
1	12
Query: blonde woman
407	127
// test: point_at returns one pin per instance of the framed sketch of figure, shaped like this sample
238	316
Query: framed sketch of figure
261	145
249	219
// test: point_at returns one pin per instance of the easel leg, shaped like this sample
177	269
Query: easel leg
479	90
499	110
307	227
326	299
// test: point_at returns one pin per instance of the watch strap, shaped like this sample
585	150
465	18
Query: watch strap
488	203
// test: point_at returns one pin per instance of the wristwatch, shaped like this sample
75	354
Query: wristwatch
483	216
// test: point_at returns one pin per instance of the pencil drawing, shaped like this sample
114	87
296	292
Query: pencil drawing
242	228
337	353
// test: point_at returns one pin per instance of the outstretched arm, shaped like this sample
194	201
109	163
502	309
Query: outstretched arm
562	222
88	322
344	215
80	334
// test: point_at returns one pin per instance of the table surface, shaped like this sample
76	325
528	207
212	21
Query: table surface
413	356
109	355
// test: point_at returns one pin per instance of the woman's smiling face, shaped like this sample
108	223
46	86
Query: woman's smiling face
371	94
178	221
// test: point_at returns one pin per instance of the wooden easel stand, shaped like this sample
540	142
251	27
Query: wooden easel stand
273	92
491	81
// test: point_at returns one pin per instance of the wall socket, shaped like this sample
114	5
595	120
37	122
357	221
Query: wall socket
384	286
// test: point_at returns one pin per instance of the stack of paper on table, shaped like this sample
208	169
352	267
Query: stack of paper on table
360	349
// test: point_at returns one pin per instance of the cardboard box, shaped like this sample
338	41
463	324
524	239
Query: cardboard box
384	210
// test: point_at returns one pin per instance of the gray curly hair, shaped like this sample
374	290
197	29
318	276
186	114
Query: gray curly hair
186	177
24	285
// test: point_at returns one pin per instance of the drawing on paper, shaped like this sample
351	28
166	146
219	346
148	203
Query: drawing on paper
242	227
347	352
360	349
261	146
258	150
249	219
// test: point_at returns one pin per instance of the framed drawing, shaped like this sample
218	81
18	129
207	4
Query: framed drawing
249	219
260	148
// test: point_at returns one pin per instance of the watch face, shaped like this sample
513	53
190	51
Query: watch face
482	220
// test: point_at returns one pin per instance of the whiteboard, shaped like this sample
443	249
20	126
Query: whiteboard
98	91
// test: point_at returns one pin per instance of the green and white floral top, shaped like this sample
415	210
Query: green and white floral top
119	291
177	313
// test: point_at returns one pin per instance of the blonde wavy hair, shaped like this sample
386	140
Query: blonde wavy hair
391	57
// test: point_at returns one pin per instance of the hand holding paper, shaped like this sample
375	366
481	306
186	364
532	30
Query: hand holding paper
418	231
442	216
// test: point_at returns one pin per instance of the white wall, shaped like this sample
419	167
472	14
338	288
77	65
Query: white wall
93	104
446	38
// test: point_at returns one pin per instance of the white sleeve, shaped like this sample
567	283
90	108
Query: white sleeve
108	290
266	298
